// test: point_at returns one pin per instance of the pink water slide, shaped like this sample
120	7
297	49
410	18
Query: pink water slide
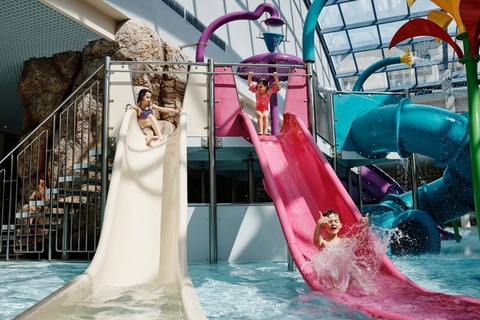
301	183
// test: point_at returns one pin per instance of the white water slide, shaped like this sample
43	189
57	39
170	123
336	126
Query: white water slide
139	270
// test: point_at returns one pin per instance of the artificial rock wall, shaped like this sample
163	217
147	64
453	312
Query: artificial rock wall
46	82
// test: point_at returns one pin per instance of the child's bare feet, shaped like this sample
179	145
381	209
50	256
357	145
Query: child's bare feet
267	134
149	141
260	133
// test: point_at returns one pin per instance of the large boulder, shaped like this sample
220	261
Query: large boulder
43	85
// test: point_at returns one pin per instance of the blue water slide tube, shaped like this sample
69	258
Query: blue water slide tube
374	67
407	128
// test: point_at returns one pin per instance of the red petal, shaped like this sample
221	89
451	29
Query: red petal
470	13
423	27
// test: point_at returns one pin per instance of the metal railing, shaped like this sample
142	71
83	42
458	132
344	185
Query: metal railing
50	181
53	184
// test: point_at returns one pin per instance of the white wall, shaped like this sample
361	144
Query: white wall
245	233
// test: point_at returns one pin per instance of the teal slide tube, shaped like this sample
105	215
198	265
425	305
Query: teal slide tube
407	128
309	30
374	67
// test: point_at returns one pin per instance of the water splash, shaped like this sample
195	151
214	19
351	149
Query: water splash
354	264
403	171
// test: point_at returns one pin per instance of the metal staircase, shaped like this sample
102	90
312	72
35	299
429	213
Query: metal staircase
51	183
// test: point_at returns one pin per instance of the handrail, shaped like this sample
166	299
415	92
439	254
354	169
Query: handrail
230	64
159	62
215	73
51	114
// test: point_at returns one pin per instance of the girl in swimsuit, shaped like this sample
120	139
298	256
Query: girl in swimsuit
262	95
145	115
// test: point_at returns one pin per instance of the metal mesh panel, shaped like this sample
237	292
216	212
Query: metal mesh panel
31	29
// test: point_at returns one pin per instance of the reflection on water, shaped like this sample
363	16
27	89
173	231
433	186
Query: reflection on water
151	301
248	290
261	290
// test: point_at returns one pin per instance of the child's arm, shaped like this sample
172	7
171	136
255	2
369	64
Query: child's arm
251	85
274	88
317	237
249	80
277	82
165	109
365	221
129	106
362	236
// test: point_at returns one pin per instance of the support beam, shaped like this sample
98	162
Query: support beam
96	16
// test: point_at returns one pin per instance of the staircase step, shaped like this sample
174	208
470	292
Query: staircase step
70	192
6	227
87	165
58	204
98	153
90	166
71	179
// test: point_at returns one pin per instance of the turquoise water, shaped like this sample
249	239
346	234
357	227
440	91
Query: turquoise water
255	290
25	283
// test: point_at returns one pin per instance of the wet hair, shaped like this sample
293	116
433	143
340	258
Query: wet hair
264	82
329	212
141	94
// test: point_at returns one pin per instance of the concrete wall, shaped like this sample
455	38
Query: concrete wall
245	233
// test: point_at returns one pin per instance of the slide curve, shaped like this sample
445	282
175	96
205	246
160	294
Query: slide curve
301	183
143	243
408	128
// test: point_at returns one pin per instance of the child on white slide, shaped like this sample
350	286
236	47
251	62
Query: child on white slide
145	115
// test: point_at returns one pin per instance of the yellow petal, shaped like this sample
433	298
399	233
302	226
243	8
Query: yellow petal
452	7
440	18
410	2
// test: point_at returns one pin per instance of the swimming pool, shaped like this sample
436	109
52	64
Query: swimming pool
256	290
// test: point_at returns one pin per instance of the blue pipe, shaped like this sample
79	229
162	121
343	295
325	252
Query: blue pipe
308	37
374	67
407	128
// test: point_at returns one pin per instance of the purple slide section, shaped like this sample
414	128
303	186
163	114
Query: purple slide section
376	183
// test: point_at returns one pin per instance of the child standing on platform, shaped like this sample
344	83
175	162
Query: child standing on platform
262	95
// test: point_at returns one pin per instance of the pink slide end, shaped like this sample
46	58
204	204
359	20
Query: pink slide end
301	183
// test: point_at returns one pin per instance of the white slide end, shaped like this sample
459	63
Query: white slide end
140	267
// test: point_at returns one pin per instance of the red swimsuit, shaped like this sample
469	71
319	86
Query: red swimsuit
262	102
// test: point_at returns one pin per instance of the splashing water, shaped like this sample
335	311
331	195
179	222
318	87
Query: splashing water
354	263
403	171
353	274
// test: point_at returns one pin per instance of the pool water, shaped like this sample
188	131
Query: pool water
24	283
456	270
255	290
261	290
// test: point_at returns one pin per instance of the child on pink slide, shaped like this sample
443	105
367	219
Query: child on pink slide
330	222
337	263
262	95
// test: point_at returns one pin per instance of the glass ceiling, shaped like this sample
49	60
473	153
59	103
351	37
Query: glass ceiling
357	33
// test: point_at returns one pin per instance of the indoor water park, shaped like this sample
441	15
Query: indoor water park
249	159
